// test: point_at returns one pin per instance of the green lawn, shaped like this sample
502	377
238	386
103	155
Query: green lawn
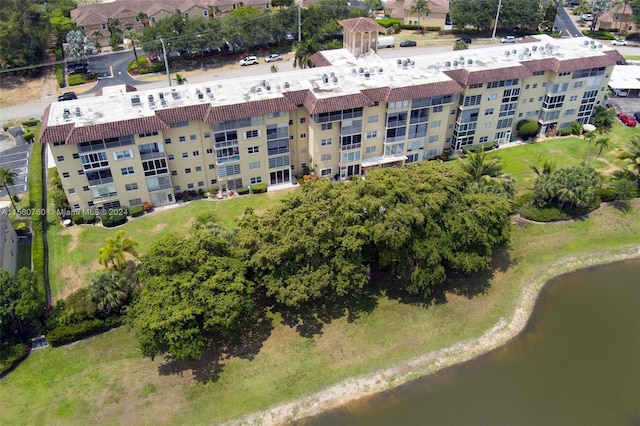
73	251
105	380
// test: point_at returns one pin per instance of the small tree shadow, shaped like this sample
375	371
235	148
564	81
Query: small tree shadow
245	344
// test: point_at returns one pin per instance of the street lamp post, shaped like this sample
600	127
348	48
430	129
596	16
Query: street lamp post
495	25
166	61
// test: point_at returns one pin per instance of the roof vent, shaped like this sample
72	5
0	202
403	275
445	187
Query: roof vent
380	70
599	45
514	51
367	74
200	94
78	112
66	114
286	85
507	53
325	78
399	61
360	70
268	87
455	63
469	61
161	95
534	48
333	74
258	90
354	71
461	59
135	100
447	64
335	80
175	94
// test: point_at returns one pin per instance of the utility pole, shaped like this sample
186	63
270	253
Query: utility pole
495	25
166	61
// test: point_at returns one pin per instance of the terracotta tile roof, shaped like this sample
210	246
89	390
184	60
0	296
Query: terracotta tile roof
296	97
530	39
53	133
469	76
361	25
394	9
318	106
617	9
93	14
185	113
319	60
116	129
585	63
434	6
248	109
379	94
546	64
424	91
615	55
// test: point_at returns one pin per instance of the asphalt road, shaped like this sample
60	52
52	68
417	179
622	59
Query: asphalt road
565	25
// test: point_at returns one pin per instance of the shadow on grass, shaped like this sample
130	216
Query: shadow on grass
245	344
311	318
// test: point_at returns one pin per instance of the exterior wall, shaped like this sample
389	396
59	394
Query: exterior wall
434	19
8	240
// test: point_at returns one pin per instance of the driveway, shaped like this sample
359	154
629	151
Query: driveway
627	105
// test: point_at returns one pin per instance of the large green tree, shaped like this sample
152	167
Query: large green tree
486	173
21	301
193	289
115	251
109	290
420	8
631	156
570	188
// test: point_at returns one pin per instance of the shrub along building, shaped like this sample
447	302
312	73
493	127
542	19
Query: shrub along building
350	113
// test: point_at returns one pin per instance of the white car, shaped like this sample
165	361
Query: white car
249	60
619	42
508	39
587	17
273	57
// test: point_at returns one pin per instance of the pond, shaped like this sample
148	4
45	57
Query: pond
576	363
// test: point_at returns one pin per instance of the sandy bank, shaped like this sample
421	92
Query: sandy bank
504	330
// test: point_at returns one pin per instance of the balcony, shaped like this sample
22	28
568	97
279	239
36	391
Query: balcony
228	159
149	155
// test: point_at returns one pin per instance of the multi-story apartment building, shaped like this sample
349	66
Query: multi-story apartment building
345	116
8	240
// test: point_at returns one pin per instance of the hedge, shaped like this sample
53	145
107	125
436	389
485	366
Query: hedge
600	35
11	355
606	194
136	211
564	132
242	191
28	136
30	122
544	214
389	22
259	188
109	220
73	332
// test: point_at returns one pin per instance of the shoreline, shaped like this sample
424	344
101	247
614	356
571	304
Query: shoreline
503	331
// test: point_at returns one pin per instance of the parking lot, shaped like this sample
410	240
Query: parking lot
16	158
624	104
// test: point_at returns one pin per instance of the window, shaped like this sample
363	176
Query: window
131	186
249	134
200	183
254	165
433	138
488	111
325	142
196	153
153	20
526	87
370	149
65	174
371	135
476	86
135	202
502	83
76	156
326	172
198	168
182	138
94	160
303	135
122	155
570	112
486	125
80	172
230	170
155	167
275	114
60	157
538	73
212	166
578	84
72	191
209	150
327	126
171	157
492	97
573	98
483	139
504	123
207	135
350	157
325	157
472	100
372	119
193	137
126	171
398	105
174	173
179	124
147	135
187	170
303	120
437	108
189	186
254	180
185	154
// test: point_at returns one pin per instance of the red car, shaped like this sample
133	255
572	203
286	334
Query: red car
627	119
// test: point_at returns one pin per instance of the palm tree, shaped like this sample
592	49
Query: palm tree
108	290
113	253
143	18
486	173
421	7
180	80
274	68
7	178
546	168
134	37
631	156
602	142
304	51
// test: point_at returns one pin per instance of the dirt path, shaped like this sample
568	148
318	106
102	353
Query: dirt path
505	329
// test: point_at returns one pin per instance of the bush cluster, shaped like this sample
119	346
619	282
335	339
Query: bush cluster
73	332
109	220
28	136
259	188
136	211
543	214
31	122
564	132
242	191
606	194
11	355
600	35
75	79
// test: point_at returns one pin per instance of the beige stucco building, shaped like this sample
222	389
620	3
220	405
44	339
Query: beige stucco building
436	16
8	240
345	116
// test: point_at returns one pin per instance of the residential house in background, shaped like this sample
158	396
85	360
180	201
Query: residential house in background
618	19
353	112
8	240
437	16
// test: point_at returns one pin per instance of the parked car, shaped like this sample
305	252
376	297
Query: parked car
408	43
273	57
637	116
77	69
587	17
627	119
465	39
619	42
290	37
508	39
68	96
249	60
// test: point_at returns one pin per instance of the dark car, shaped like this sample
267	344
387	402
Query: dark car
408	43
637	116
69	96
465	39
78	69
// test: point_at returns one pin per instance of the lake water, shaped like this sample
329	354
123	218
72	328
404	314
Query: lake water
576	363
